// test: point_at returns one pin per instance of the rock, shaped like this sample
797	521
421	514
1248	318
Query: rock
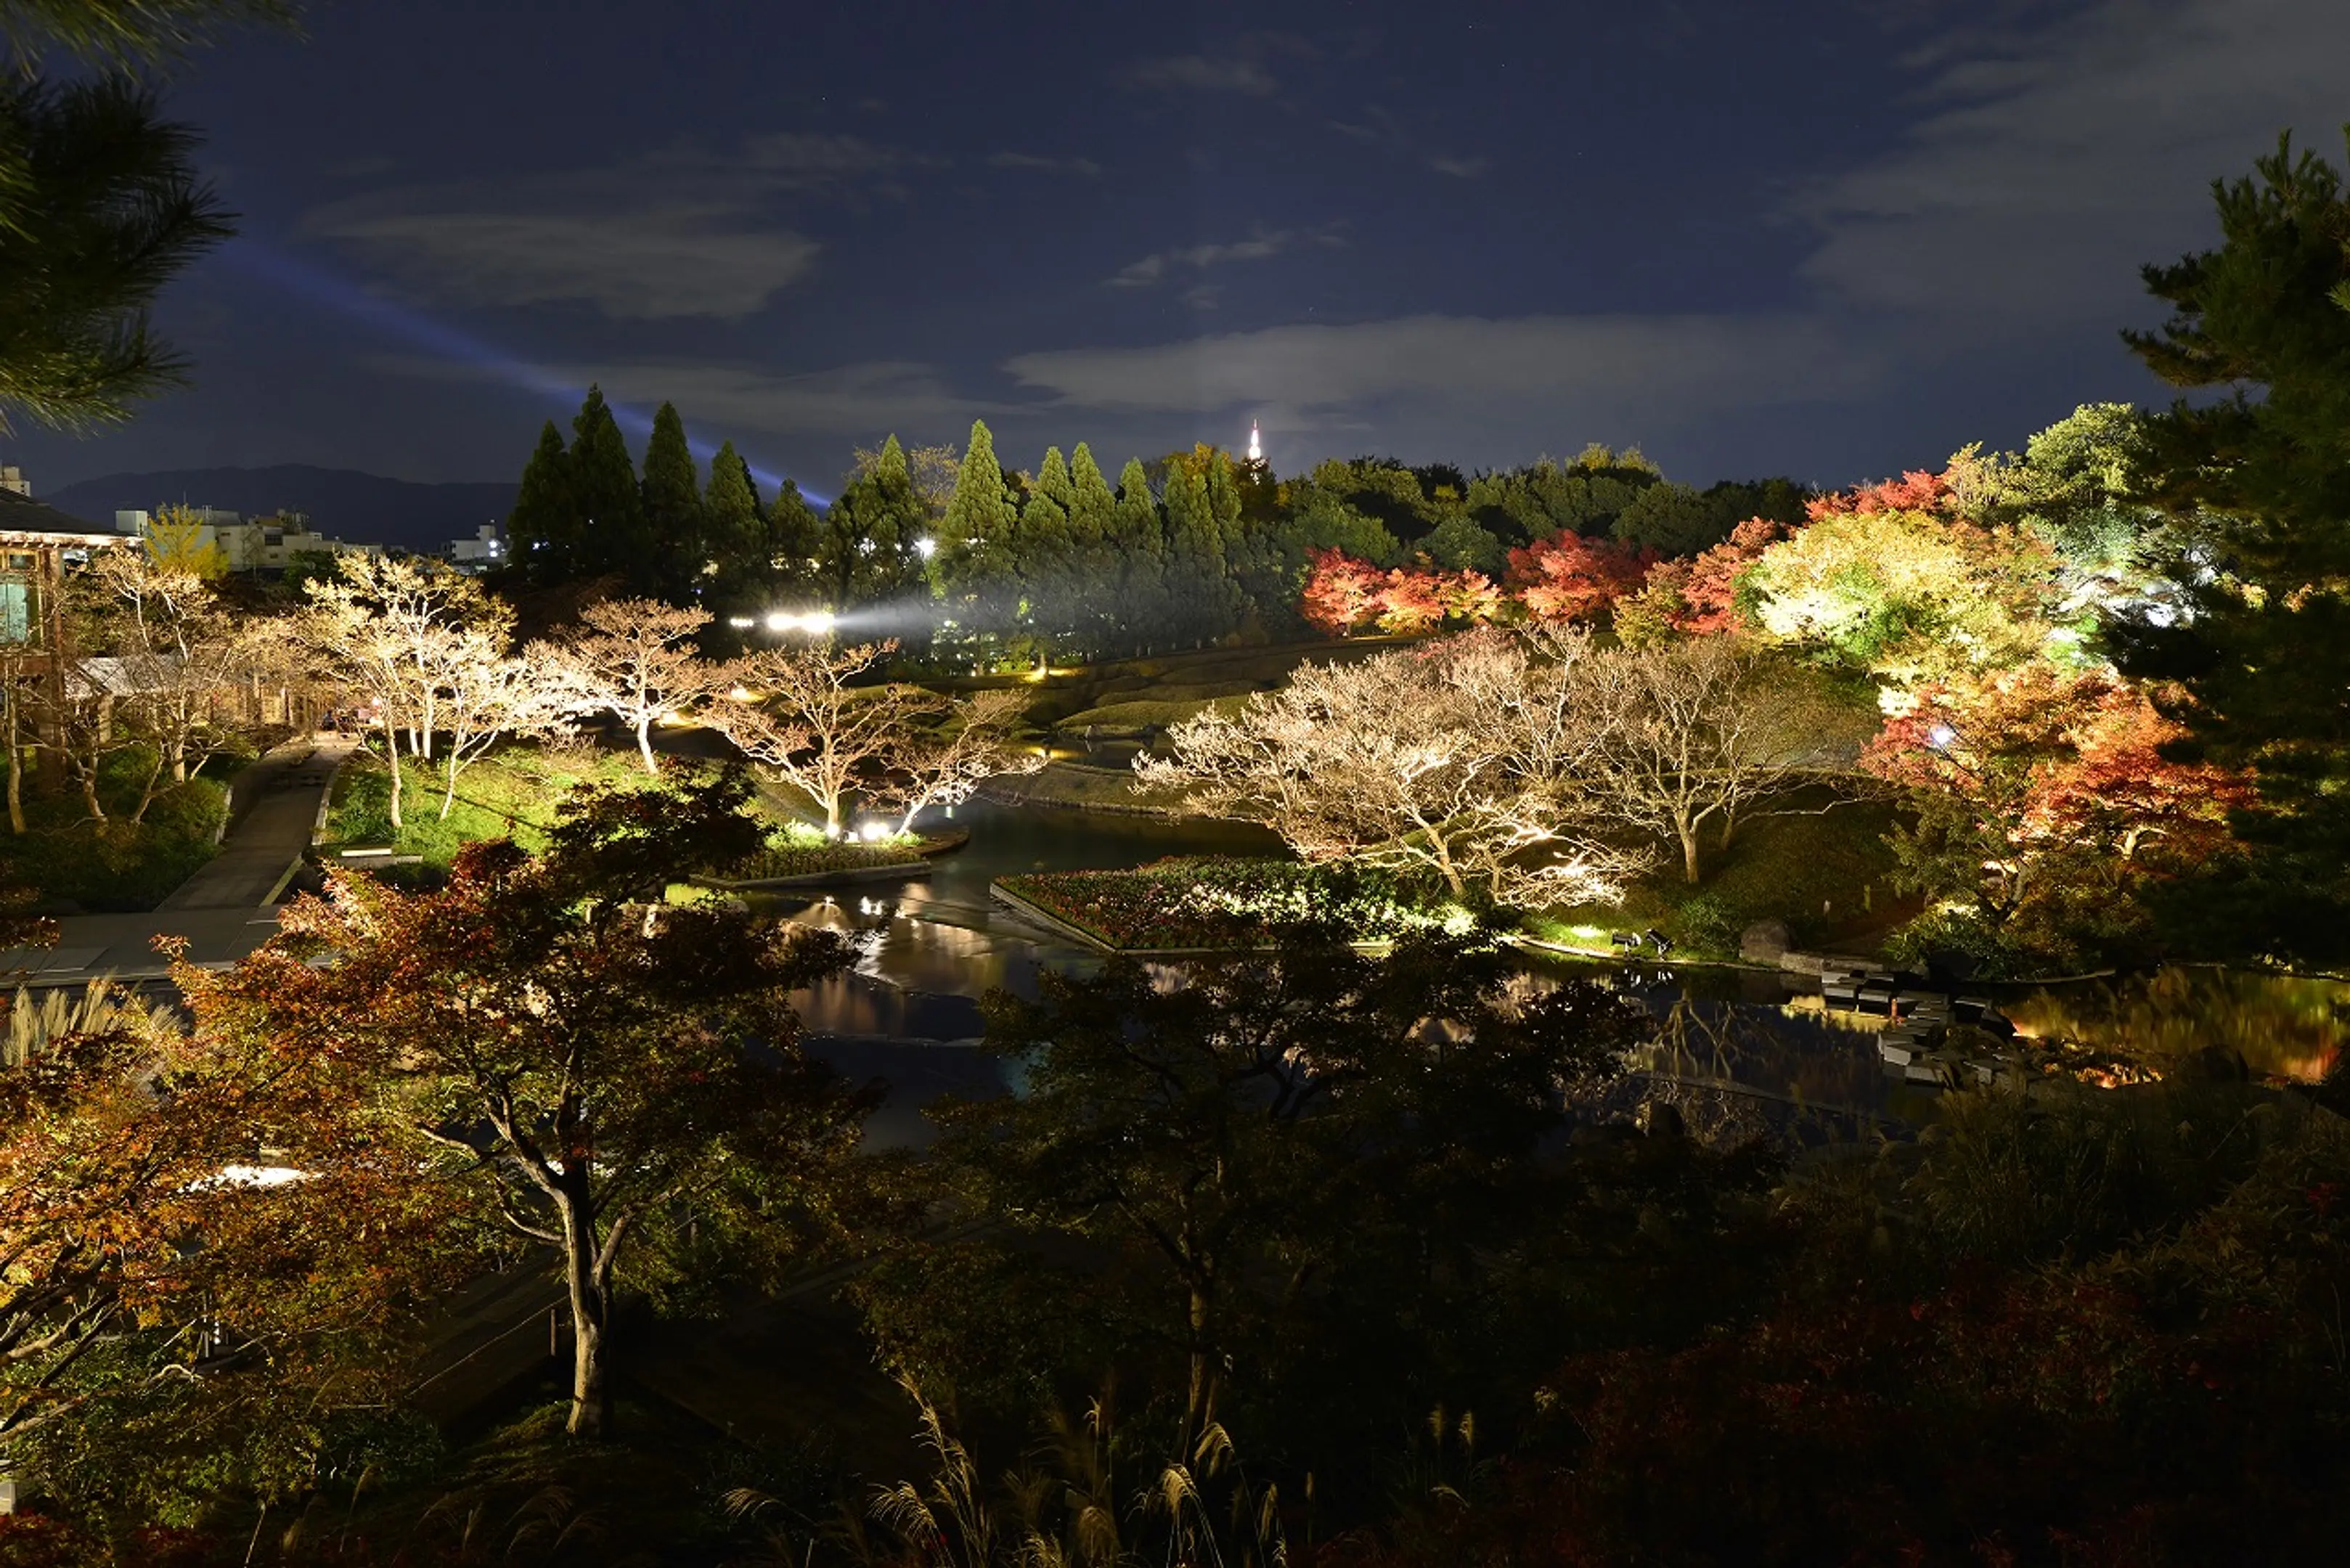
1765	942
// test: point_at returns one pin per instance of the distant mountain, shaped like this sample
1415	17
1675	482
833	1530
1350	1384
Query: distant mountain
341	502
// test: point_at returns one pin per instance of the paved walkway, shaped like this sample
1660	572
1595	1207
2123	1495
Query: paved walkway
228	908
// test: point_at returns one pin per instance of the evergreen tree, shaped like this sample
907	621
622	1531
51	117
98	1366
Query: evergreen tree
1198	587
604	494
979	566
794	533
544	526
735	536
1093	556
2265	651
734	531
1042	558
870	548
673	522
1138	540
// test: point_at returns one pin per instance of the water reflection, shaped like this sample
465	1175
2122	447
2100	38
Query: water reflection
931	945
2282	1026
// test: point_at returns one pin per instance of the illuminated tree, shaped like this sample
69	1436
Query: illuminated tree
593	1069
176	542
1573	578
488	696
978	547
803	714
2044	801
183	654
943	761
1463	763
386	629
183	1248
873	533
1688	733
1887	582
636	661
1342	594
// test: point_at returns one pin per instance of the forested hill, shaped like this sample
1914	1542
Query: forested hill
341	501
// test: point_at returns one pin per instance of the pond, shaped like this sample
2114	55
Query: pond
933	945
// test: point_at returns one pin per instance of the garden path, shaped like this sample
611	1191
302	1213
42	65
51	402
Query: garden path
228	908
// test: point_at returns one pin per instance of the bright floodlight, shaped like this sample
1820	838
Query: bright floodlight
874	832
926	548
1941	735
815	623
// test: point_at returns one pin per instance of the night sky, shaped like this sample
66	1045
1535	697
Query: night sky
1828	240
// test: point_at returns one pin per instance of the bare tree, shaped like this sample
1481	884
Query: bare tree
152	663
637	661
487	697
802	713
405	603
181	652
1462	761
385	629
945	763
1695	731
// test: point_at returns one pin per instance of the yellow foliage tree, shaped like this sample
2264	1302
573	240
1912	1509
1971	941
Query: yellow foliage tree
176	543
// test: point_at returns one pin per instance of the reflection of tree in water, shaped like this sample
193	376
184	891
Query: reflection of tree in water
2280	1025
1737	1070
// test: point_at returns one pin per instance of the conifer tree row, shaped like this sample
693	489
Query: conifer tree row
1003	568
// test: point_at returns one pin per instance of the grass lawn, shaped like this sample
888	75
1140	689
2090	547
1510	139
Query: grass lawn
1825	875
68	860
513	794
1131	693
516	792
1078	788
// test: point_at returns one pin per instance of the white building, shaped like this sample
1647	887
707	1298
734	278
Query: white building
260	544
480	552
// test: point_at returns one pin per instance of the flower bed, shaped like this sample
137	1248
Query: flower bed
1218	901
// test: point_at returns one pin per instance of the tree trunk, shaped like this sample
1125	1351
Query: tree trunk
1728	828
591	1387
645	744
1688	851
16	766
391	755
148	791
448	795
89	794
1200	1396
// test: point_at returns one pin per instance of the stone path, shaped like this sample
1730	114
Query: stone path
228	908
